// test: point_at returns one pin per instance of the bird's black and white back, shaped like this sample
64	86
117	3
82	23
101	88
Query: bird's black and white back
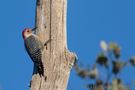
34	48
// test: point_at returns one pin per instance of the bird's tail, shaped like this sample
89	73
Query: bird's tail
40	68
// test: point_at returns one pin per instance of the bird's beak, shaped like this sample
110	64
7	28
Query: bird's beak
33	30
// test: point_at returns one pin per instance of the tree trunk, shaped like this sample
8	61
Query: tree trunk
57	60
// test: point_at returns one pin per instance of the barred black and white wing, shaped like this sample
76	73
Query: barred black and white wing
34	48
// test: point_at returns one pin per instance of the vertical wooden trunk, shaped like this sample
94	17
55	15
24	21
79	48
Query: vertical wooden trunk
57	60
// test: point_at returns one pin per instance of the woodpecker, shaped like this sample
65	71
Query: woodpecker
34	48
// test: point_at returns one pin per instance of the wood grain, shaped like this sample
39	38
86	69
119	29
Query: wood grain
57	59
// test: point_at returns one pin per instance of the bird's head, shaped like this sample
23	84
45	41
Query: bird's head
26	33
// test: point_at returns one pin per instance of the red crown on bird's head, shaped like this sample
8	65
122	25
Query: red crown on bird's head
24	32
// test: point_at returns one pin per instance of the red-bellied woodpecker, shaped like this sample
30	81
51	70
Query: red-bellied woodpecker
34	47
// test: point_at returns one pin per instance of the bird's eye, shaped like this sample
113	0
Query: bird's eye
28	31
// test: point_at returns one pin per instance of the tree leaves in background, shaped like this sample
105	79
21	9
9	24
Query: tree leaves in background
115	49
132	61
102	60
117	66
113	66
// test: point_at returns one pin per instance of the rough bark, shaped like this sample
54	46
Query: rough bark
57	60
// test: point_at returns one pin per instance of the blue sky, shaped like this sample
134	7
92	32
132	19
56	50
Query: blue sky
89	22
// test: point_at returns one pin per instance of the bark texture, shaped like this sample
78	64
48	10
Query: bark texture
57	59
